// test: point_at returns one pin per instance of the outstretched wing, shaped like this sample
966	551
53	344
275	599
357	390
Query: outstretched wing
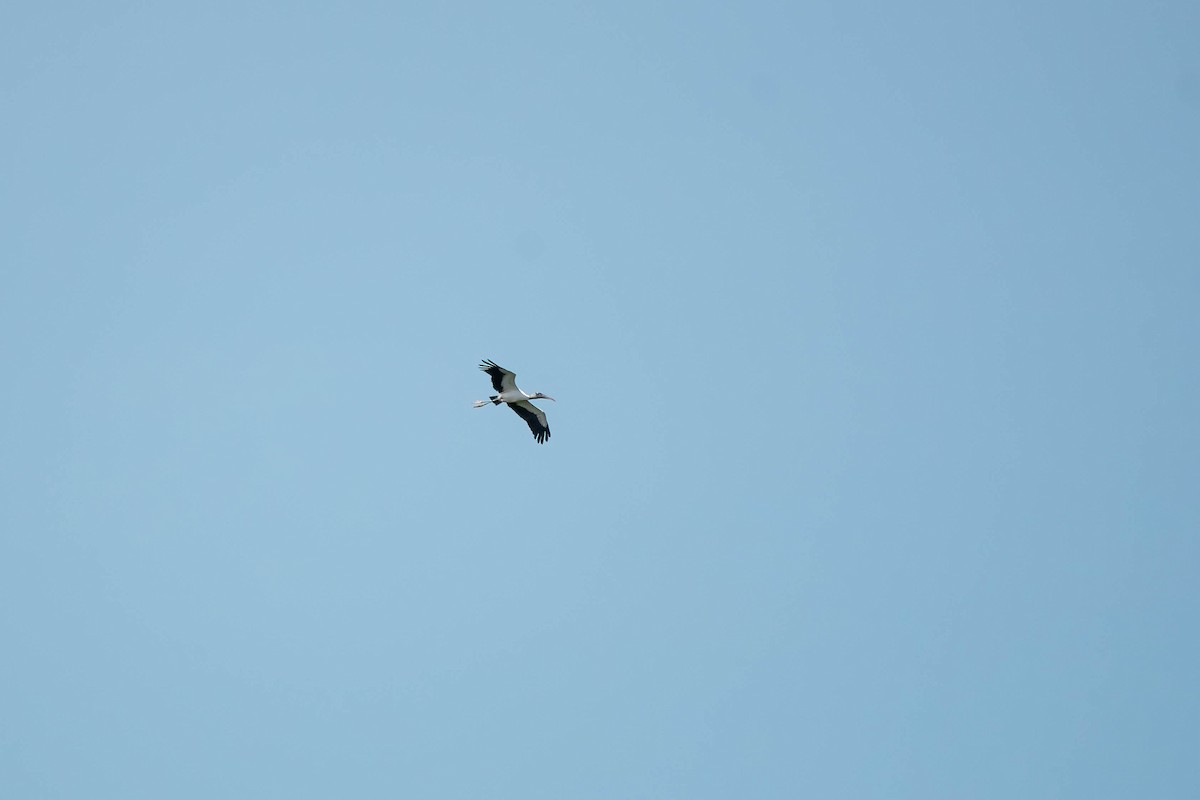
502	379
534	417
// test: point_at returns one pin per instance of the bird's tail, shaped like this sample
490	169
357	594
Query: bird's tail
494	400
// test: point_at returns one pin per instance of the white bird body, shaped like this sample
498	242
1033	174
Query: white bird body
515	396
505	384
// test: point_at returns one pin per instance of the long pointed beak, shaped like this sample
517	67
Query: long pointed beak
548	397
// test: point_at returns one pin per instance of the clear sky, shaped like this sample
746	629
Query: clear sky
875	461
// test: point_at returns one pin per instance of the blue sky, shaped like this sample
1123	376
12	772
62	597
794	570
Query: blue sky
873	331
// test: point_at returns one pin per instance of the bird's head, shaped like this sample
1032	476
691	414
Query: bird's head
540	396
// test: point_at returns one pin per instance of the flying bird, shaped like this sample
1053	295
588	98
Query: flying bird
505	383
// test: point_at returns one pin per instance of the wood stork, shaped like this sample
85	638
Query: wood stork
505	383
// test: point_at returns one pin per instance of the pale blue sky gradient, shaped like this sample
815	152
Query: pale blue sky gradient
901	501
